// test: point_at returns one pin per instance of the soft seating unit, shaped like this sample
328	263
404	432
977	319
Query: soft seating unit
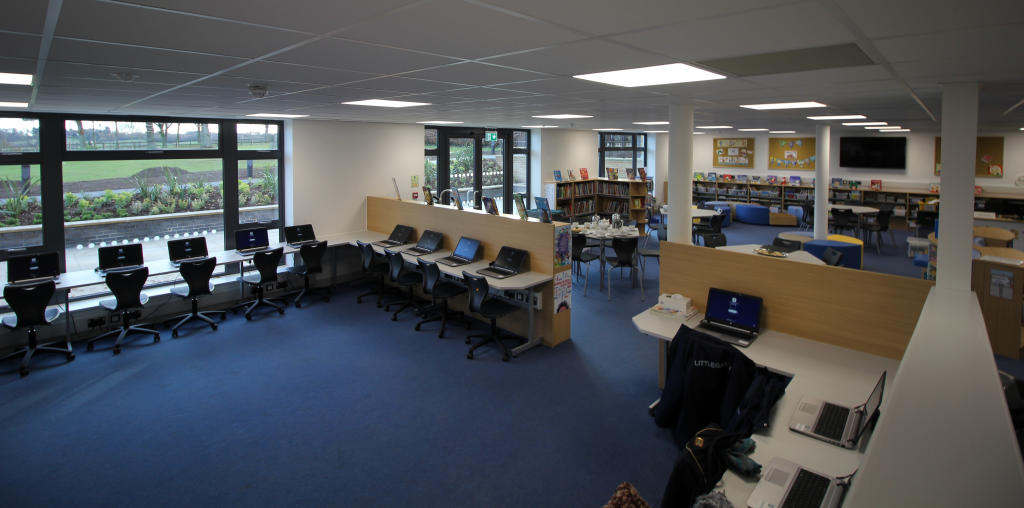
850	240
752	214
796	211
723	207
851	252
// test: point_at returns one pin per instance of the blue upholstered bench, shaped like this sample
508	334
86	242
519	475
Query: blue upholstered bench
725	208
851	251
752	214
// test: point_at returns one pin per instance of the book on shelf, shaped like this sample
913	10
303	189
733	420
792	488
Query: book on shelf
583	174
613	173
545	209
520	205
836	182
712	177
698	176
630	174
558	175
933	187
794	180
876	185
638	203
489	205
727	178
427	198
741	178
783	181
772	179
572	177
642	174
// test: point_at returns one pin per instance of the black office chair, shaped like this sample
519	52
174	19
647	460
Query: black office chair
312	255
406	280
714	240
197	275
440	292
832	257
651	253
266	264
579	245
807	221
878	224
844	219
128	296
787	244
375	270
28	301
714	226
625	252
651	228
491	309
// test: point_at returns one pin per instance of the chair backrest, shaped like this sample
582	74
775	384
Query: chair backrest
266	262
832	257
663	233
714	240
478	289
28	301
789	244
843	217
808	217
431	274
716	223
197	275
366	251
647	214
883	219
396	262
624	249
579	242
127	287
312	255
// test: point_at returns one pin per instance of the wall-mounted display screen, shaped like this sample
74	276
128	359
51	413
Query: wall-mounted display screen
881	152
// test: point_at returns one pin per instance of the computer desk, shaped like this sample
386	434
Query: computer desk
820	370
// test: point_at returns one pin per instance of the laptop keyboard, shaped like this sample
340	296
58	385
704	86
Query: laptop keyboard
726	331
808	490
832	421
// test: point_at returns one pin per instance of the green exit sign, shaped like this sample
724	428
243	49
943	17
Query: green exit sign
490	136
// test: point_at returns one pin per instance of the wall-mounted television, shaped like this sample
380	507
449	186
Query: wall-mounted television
881	152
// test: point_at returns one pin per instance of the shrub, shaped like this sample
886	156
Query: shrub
136	208
121	200
144	189
69	200
155	210
88	215
11	221
98	203
17	196
171	177
122	213
109	195
83	204
268	182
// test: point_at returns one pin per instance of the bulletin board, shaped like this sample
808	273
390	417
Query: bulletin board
792	153
989	161
733	153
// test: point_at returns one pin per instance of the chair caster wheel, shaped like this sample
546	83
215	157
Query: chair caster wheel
504	358
417	328
248	317
394	318
280	311
23	372
440	335
468	341
470	355
214	326
298	305
88	347
71	356
515	355
156	339
117	351
174	334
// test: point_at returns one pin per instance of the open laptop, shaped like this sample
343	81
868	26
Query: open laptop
732	317
465	253
251	241
186	249
786	484
33	267
297	236
429	242
835	423
508	263
398	237
119	257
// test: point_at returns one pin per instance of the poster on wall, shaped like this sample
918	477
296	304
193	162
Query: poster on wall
988	159
563	242
563	291
733	153
792	153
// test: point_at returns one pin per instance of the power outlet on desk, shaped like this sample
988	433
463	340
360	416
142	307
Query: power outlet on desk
93	323
269	288
115	318
282	285
135	314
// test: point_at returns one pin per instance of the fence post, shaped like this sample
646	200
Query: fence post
26	173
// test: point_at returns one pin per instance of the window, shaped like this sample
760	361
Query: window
98	135
622	152
521	165
19	135
477	163
430	160
258	136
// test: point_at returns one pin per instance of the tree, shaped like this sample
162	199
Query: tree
204	136
150	137
81	134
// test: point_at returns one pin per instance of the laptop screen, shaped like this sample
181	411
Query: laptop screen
251	238
510	258
735	309
430	240
117	256
871	408
400	234
299	234
33	266
467	248
187	248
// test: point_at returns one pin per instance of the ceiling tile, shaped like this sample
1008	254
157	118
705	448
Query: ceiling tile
968	68
25	17
557	86
614	93
887	18
273	71
839	88
359	57
476	74
64	50
18	65
583	57
824	76
405	85
102	84
103	72
969	42
19	46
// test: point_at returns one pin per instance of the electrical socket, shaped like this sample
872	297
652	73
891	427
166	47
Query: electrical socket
135	314
93	323
282	284
269	288
115	318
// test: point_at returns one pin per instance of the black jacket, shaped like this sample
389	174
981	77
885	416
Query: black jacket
756	406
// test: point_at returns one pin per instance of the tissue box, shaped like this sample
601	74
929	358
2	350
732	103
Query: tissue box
674	302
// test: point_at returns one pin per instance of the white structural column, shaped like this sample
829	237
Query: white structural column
821	163
956	210
680	173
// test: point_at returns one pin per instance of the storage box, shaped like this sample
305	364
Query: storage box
781	219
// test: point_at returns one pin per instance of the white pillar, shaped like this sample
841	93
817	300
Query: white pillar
956	208
821	180
680	173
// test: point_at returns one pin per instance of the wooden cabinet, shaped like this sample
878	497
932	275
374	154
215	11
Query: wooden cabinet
1000	290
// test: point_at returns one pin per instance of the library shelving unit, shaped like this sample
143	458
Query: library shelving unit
603	197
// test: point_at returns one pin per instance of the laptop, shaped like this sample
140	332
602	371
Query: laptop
835	423
786	484
508	263
297	236
251	241
398	237
732	317
188	249
429	242
465	253
33	267
119	257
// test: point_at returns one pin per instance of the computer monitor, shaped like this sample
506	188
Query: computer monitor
256	238
187	248
510	258
118	256
734	309
29	267
467	248
299	234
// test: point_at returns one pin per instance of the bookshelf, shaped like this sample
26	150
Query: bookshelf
601	196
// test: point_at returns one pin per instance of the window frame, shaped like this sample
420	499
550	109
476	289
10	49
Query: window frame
601	149
442	152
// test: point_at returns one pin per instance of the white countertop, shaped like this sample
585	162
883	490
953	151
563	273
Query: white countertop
800	255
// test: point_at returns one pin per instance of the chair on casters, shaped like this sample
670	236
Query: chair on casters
28	301
407	281
832	257
128	296
579	245
312	262
266	264
376	270
440	292
197	275
492	309
715	240
625	254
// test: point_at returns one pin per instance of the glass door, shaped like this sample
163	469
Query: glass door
464	167
492	183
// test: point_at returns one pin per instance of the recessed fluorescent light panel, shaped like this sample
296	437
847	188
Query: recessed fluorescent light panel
698	132
752	130
381	103
438	122
276	115
562	117
785	105
7	78
539	126
714	127
882	127
895	130
838	117
781	132
659	132
861	124
13	104
607	129
660	123
650	76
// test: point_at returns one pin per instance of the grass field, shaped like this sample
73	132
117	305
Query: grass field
102	170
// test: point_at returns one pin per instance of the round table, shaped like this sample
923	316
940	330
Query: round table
859	210
698	213
997	237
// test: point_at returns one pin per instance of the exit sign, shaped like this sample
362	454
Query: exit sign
490	136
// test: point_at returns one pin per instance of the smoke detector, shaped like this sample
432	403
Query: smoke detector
124	76
259	91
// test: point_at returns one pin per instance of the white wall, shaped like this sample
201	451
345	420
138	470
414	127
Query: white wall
564	149
335	165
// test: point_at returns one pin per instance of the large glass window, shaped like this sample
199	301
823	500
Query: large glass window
258	136
478	163
622	151
81	135
430	154
19	135
462	168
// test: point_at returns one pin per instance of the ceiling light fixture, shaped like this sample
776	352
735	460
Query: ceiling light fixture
752	130
713	127
13	104
7	78
562	117
660	132
276	115
861	124
781	132
838	117
785	105
650	76
882	127
695	132
657	123
439	122
607	129
382	103
539	126
895	130
124	76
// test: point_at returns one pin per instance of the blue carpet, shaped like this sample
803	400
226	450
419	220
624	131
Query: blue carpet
334	405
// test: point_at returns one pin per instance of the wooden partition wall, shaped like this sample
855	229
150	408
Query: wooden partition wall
864	311
533	236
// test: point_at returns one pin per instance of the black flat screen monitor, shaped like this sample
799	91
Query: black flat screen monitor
29	267
117	256
734	309
873	152
251	239
187	248
298	234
